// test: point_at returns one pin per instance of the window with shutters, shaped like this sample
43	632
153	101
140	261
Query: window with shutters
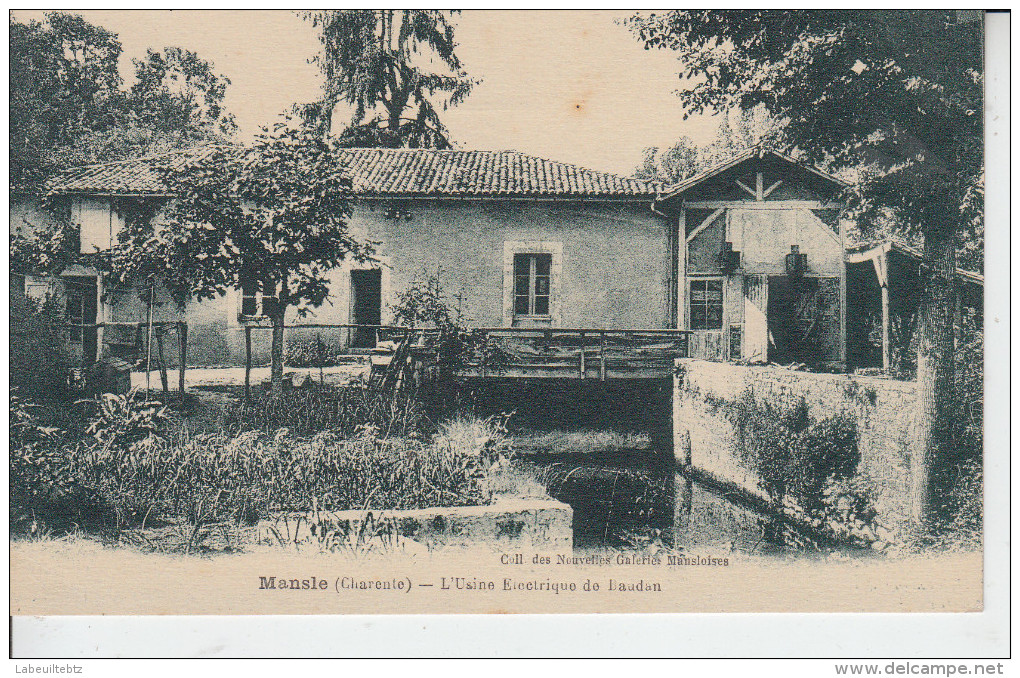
706	304
255	303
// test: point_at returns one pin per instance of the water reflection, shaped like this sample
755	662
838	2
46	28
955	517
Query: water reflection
636	499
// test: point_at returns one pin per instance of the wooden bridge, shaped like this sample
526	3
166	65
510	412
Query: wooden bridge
582	353
517	352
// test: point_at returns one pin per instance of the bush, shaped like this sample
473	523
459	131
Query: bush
424	304
39	361
808	465
311	352
964	507
40	478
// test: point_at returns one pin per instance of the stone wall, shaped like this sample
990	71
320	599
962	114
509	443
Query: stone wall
883	410
509	523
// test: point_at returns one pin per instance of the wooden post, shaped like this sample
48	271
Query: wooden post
163	377
320	349
881	263
148	344
582	355
247	362
602	356
886	348
182	338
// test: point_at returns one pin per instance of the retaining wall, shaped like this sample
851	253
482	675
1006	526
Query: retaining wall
883	410
519	523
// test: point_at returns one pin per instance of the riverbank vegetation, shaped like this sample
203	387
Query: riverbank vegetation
129	468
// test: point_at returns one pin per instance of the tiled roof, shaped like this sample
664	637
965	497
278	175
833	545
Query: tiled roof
126	176
397	172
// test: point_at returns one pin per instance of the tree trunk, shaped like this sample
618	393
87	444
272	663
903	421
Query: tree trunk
933	419
276	372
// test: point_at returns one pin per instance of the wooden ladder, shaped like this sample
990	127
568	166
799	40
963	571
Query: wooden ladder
394	374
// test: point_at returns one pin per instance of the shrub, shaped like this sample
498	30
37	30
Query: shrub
311	352
246	477
811	463
122	422
39	360
127	472
424	304
964	510
39	474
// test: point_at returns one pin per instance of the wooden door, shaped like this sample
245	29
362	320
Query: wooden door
366	305
81	298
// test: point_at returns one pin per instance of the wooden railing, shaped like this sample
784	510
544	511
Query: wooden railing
159	330
576	352
581	353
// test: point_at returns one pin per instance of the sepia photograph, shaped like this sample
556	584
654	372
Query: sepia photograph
420	311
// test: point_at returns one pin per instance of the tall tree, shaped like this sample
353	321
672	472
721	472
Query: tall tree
176	91
175	101
69	105
738	131
380	63
64	83
898	93
272	214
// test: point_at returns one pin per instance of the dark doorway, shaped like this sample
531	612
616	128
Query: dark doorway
366	305
82	306
803	319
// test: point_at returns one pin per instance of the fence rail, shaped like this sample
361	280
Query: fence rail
161	327
574	352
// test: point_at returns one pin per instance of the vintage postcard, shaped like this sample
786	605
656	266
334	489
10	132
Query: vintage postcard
416	311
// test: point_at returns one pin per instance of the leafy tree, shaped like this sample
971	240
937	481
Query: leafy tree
69	106
377	61
736	133
896	93
64	83
179	93
273	213
676	163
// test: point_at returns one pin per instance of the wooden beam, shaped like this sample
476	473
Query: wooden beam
758	190
886	348
704	224
770	205
582	366
842	293
768	191
681	272
881	263
247	363
747	188
602	356
182	337
161	357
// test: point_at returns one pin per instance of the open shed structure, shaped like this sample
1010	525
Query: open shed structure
758	261
886	279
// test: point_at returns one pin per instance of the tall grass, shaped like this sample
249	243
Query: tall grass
130	474
340	409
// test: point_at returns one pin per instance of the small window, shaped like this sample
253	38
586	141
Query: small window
532	284
706	304
254	304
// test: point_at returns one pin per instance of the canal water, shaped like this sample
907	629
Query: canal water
636	499
624	487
